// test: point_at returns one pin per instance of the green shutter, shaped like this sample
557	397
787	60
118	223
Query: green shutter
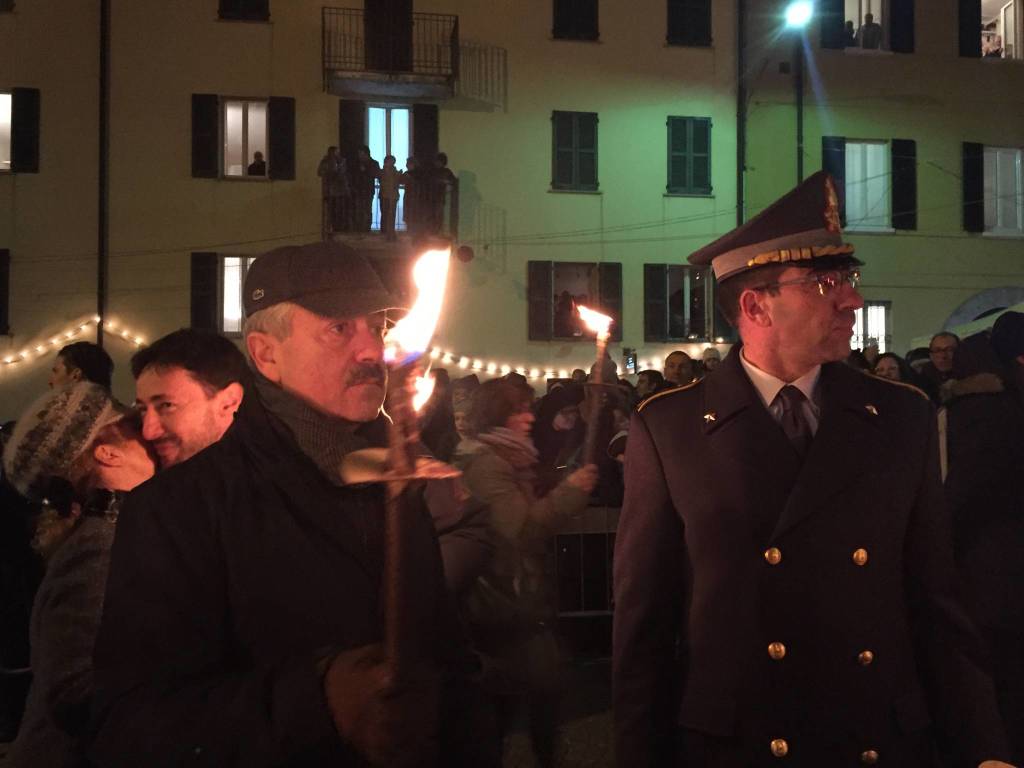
689	155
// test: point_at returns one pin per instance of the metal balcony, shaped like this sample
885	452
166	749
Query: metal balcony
368	55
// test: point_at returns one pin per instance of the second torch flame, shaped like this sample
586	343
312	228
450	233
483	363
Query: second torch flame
595	321
410	336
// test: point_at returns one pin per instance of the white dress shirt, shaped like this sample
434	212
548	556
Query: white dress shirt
768	388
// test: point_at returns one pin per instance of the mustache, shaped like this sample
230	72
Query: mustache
367	373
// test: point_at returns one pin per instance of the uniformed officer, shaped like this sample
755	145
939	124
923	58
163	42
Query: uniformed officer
784	586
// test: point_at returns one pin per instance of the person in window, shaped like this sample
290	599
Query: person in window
258	166
849	35
337	196
870	33
442	184
77	451
993	48
390	180
508	610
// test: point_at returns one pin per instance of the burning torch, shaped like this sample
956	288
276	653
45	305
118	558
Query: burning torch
600	325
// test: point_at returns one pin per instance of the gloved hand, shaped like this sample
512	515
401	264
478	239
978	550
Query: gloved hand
388	721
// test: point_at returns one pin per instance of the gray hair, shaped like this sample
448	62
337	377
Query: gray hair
275	321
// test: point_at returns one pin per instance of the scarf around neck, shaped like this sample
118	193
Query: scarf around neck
517	449
323	439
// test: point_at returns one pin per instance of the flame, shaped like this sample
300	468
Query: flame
411	335
424	386
595	321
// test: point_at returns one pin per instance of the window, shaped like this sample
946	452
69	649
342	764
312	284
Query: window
867	186
689	155
873	325
845	24
574	154
689	22
574	19
233	269
5	131
554	288
676	302
876	181
388	133
5	292
244	10
245	138
1004	201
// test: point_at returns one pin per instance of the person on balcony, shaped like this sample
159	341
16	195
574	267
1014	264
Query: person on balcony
363	175
441	185
390	180
337	196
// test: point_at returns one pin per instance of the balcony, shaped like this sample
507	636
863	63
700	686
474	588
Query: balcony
369	55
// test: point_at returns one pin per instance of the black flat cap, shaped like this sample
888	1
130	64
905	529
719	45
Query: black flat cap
800	226
328	279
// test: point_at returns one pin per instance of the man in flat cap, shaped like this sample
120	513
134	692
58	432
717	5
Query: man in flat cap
785	592
242	624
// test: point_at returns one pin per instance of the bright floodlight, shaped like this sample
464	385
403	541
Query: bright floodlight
799	13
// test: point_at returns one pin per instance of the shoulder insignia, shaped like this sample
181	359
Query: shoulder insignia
903	384
666	393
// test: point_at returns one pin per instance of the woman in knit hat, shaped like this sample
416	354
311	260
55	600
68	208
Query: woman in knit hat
78	452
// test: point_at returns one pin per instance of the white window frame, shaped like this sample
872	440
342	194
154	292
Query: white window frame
995	190
375	213
877	8
5	146
229	292
873	322
859	187
245	101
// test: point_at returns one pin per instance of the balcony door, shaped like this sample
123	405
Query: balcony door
388	133
388	26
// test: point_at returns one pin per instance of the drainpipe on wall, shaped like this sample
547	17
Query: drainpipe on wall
103	191
741	109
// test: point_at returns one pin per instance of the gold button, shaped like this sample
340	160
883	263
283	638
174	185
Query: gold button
780	748
776	650
860	556
773	556
869	757
865	657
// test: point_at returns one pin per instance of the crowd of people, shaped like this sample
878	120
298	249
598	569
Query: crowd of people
350	185
191	579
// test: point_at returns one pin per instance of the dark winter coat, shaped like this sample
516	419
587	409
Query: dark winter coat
728	546
234	576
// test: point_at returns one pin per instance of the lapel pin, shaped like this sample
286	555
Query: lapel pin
709	417
871	409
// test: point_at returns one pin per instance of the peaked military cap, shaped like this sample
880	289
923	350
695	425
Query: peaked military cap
800	226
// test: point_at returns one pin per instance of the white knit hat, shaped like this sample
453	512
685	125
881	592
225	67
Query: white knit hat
54	431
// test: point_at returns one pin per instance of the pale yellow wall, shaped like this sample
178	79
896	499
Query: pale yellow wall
932	96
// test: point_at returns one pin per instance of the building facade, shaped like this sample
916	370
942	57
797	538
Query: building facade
595	143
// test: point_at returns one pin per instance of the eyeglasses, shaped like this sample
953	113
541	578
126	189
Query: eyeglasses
827	282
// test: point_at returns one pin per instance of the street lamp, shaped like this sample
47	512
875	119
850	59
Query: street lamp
798	15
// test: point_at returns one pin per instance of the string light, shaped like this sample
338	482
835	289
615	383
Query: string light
43	348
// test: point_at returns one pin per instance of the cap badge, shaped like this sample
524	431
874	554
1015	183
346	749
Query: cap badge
258	294
871	409
710	417
832	223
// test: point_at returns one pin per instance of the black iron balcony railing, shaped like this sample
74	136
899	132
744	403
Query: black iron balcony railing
355	40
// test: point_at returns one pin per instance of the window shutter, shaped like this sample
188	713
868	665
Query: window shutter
588	28
244	10
25	130
561	25
574	19
901	26
678	154
425	131
205	136
351	127
539	275
5	292
655	302
281	138
586	151
904	184
609	289
970	29
831	13
833	161
205	279
974	187
689	22
563	150
700	148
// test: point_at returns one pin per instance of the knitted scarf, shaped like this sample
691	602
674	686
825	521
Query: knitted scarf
516	449
324	439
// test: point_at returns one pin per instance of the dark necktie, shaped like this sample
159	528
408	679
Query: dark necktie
794	421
